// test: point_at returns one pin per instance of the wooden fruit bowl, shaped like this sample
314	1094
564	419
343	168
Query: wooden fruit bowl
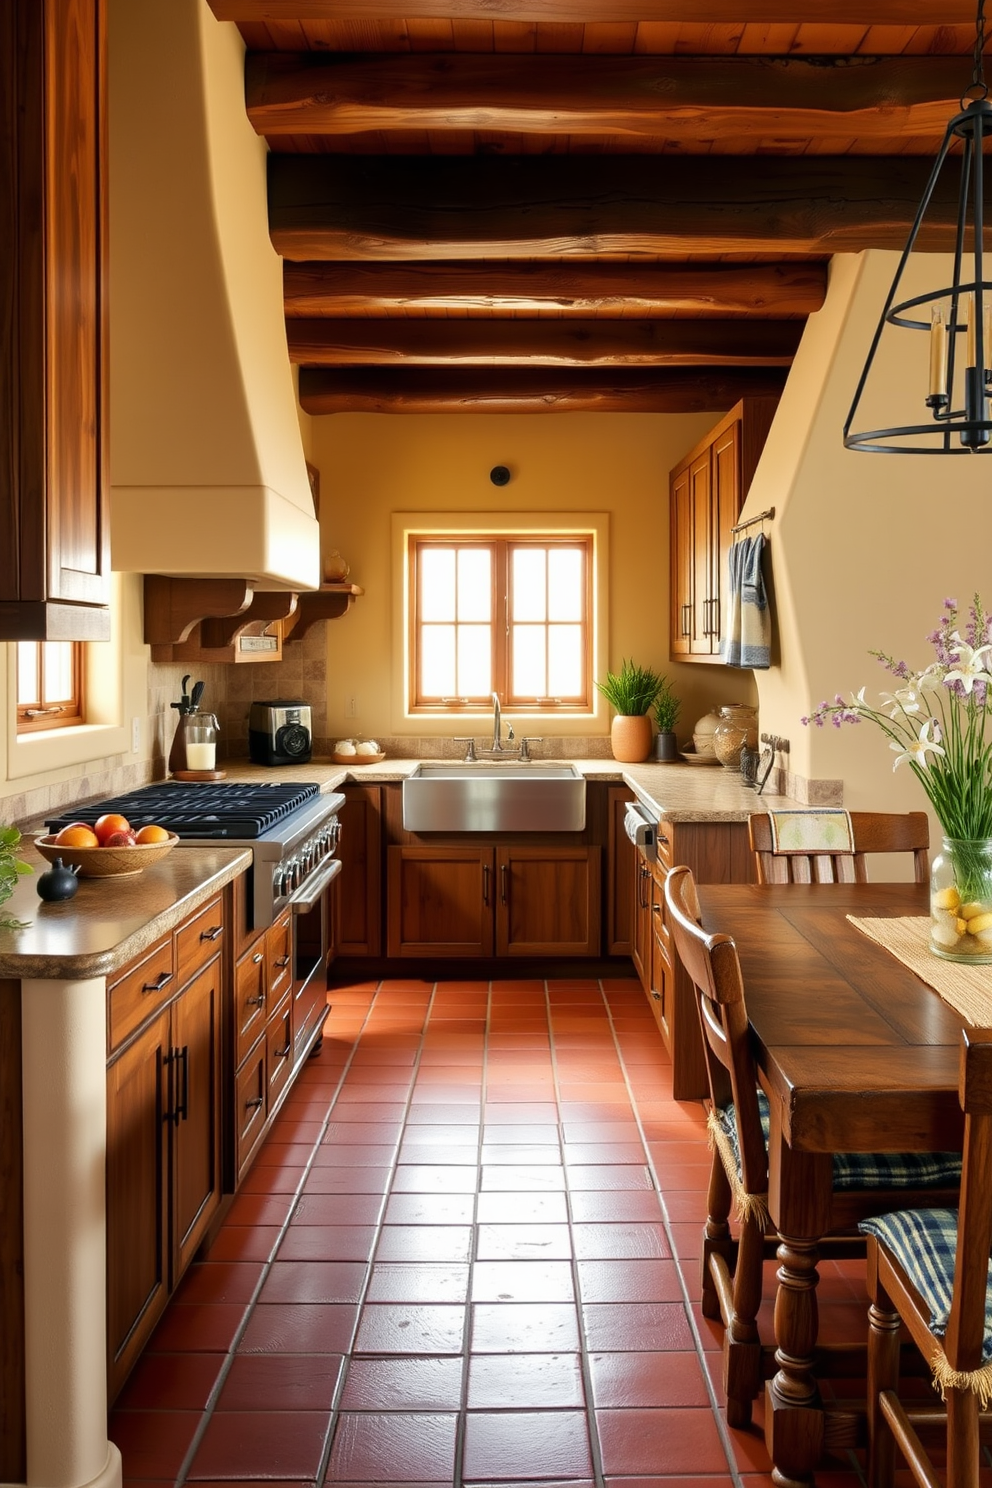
359	759
106	862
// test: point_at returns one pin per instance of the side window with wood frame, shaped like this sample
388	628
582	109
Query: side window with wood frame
511	615
49	685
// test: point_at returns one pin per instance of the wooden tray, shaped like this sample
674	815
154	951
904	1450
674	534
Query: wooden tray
359	759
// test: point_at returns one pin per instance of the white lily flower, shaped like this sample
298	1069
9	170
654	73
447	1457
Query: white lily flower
929	680
971	664
917	751
903	700
857	701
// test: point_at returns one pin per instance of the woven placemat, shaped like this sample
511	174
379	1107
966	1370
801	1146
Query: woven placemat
967	989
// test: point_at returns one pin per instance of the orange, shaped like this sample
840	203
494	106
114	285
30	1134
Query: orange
108	824
152	833
77	835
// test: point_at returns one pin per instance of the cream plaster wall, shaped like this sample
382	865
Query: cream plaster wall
864	547
374	465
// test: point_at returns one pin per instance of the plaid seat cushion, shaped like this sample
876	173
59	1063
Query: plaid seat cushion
866	1170
924	1241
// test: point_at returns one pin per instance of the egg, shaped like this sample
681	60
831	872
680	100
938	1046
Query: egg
345	747
368	746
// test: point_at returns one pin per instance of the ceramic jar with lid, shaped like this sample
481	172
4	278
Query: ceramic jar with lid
736	727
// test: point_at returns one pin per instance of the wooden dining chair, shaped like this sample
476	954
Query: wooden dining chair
872	831
738	1122
928	1270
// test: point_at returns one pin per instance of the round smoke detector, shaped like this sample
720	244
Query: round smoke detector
499	475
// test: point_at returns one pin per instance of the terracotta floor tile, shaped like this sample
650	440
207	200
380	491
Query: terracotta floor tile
463	1134
342	1129
410	1328
522	1178
638	1440
393	1447
600	1131
299	1328
244	1243
603	1242
503	1154
435	1178
629	1281
521	1134
347	1180
170	1382
220	1281
284	1178
429	1209
524	1328
428	1384
393	1281
583	1153
259	1209
529	1445
281	1382
153	1443
524	1382
608	1177
261	1444
200	1327
605	1206
337	1209
339	1154
647	1379
305	1242
522	1281
425	1243
523	1242
417	1154
443	1113
314	1281
522	1208
519	1113
616	1327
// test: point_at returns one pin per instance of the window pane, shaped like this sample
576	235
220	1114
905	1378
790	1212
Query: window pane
475	676
565	660
474	584
437	583
57	670
529	584
566	591
28	681
437	655
529	666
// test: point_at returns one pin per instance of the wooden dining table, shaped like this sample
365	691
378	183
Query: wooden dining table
856	1054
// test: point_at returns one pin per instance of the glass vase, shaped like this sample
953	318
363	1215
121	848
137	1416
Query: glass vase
961	901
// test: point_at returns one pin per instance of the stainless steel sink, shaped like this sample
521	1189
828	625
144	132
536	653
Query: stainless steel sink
483	797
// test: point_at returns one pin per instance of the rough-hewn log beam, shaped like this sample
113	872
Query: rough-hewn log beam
528	390
702	12
605	289
713	98
547	343
383	207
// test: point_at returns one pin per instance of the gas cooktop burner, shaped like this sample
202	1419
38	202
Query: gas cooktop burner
238	810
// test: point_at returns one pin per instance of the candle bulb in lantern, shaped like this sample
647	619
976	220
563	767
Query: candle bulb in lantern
970	357
938	352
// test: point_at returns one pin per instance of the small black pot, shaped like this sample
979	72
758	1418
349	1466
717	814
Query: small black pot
666	747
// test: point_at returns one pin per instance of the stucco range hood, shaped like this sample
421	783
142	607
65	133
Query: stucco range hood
208	475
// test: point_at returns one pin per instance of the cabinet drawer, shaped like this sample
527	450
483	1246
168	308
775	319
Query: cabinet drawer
141	992
249	1104
665	833
200	939
279	1047
279	957
249	999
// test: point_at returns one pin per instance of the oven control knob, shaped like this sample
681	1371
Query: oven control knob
278	883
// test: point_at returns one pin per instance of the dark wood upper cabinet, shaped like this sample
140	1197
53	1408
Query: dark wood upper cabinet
53	310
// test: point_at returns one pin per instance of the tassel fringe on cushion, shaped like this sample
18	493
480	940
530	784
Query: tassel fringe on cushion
945	1378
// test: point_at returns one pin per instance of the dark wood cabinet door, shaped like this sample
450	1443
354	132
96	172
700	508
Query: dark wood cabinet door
440	901
53	367
358	901
196	1152
727	499
547	901
139	1082
700	502
680	537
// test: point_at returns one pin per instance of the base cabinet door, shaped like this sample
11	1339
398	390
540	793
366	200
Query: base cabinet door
548	901
440	901
195	1113
137	1194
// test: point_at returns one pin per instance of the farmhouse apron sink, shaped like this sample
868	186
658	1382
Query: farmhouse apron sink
510	797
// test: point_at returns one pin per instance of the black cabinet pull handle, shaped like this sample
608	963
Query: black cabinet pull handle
214	933
182	1105
485	883
504	882
162	980
254	1103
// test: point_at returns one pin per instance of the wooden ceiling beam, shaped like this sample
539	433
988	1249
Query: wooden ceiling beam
529	390
679	98
565	343
349	208
588	12
604	289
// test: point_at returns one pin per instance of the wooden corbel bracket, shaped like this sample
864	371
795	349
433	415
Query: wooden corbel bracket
265	607
174	606
328	602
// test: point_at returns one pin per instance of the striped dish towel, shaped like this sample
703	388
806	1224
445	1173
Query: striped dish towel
747	638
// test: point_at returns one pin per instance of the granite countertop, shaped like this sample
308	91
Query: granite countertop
109	921
677	792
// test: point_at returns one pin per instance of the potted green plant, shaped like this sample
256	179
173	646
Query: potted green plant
667	708
11	869
631	692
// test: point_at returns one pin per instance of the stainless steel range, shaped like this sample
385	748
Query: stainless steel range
292	831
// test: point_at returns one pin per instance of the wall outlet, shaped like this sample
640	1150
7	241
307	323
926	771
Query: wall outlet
135	735
351	707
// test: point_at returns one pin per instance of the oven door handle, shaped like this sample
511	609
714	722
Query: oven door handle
310	891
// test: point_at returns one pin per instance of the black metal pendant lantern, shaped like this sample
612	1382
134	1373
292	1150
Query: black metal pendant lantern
957	317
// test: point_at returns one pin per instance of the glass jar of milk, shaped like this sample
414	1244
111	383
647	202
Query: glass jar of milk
201	741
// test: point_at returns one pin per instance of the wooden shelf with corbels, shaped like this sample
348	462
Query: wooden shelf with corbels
225	620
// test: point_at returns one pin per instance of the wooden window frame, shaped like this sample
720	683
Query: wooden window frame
35	716
501	545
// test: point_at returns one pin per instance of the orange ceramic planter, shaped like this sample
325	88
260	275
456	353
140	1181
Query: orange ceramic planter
630	737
